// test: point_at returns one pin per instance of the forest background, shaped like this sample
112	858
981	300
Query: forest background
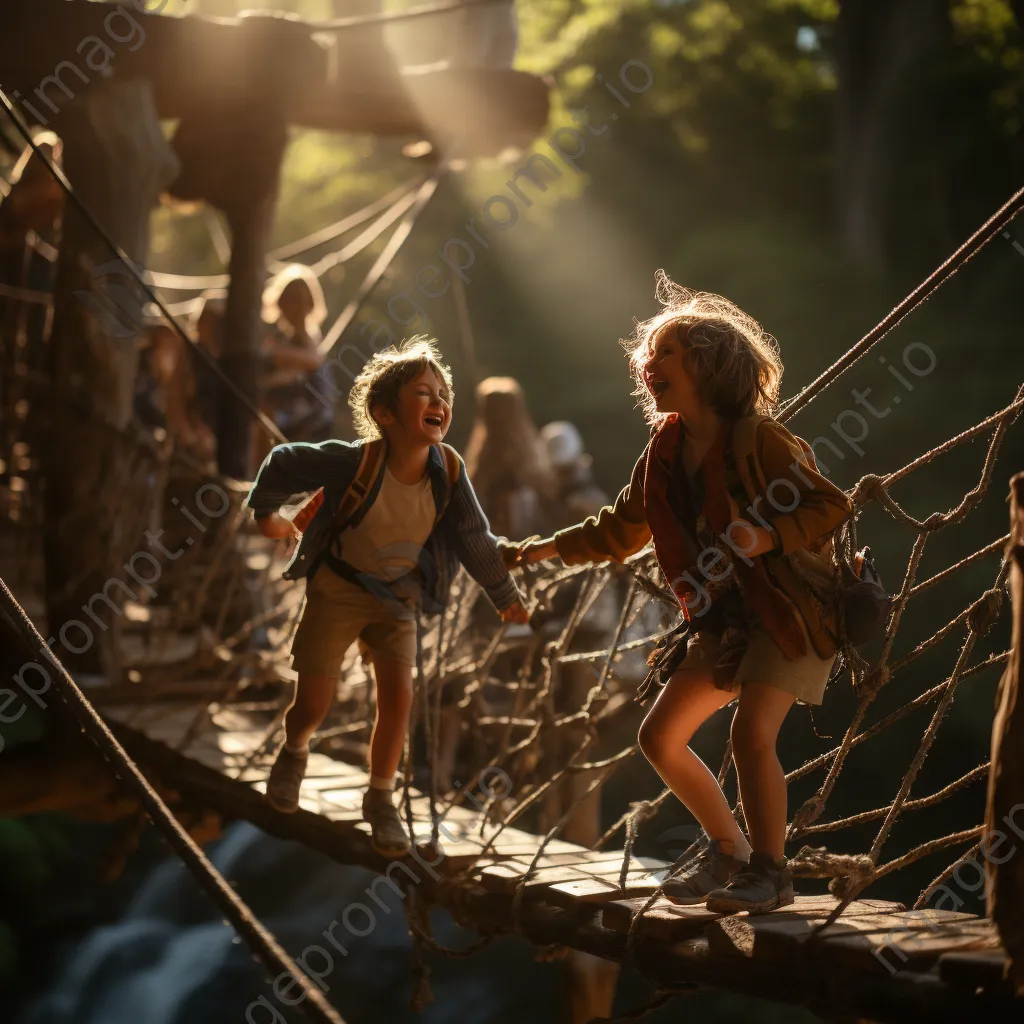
811	160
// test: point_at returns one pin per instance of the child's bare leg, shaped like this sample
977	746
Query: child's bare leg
755	729
687	701
394	699
312	701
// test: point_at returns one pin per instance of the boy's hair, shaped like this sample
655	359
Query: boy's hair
382	377
734	361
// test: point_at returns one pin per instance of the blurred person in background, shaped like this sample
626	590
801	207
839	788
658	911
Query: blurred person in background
511	476
293	309
506	461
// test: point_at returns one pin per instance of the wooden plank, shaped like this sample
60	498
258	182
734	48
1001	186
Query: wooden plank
664	919
669	920
599	890
864	942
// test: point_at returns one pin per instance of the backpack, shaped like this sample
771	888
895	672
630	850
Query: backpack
371	465
357	501
855	593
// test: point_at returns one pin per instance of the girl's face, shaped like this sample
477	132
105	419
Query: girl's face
667	376
424	410
296	303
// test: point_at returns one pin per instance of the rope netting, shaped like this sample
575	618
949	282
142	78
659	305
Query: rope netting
538	705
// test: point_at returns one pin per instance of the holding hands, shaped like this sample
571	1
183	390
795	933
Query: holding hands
529	551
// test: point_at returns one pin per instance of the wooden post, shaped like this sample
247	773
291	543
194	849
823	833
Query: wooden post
233	161
1004	819
118	161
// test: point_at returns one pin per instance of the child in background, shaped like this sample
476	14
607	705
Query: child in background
294	309
707	380
398	515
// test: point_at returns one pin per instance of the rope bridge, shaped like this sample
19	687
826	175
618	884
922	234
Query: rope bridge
211	651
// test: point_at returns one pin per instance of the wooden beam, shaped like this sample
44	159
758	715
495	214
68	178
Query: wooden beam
203	67
118	161
1006	780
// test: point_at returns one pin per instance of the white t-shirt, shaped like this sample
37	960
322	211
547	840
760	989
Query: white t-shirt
389	539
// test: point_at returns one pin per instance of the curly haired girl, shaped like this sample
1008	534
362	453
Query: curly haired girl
707	380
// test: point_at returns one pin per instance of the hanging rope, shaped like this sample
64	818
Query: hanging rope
383	261
263	945
924	291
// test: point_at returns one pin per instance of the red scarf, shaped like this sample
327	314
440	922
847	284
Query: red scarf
677	550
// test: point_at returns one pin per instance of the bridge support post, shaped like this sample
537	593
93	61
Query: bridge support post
1005	887
118	161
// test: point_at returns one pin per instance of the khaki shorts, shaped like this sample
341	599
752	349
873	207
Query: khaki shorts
764	662
338	613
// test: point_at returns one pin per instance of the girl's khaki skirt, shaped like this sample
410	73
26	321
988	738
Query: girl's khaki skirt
764	662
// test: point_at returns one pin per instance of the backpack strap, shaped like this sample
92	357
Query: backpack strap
353	502
453	470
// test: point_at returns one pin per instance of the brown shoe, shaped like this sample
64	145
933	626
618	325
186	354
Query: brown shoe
764	885
387	832
709	869
285	780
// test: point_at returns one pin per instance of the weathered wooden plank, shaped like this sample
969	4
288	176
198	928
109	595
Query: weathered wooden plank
600	890
869	941
671	921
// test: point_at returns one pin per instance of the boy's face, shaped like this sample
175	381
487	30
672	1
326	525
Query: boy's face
424	411
667	375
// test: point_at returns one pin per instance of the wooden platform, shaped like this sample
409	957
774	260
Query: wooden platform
877	961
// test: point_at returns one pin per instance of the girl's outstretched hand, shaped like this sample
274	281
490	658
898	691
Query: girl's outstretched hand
536	551
516	613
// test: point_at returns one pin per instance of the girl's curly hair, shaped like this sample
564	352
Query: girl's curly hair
734	361
385	373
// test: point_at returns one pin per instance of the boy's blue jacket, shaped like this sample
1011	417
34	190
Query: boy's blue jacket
462	534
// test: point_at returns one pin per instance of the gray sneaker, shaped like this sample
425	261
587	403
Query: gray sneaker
285	780
710	869
765	884
387	832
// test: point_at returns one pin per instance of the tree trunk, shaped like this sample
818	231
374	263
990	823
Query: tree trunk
877	43
118	161
233	161
1005	887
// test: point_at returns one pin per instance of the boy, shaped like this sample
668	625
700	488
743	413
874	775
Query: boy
398	514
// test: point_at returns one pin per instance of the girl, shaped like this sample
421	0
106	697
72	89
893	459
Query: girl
293	310
506	462
732	500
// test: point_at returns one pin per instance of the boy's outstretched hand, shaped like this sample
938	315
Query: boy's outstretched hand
275	526
516	613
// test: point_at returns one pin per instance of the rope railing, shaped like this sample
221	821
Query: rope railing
263	945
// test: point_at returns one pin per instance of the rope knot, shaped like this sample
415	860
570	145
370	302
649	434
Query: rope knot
871	682
870	487
982	615
818	862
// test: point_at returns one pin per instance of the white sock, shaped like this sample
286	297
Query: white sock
386	782
304	749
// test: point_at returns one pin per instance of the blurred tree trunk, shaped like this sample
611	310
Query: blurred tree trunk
118	161
878	43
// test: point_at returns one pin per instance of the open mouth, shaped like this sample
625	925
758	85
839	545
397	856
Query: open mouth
656	386
434	420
